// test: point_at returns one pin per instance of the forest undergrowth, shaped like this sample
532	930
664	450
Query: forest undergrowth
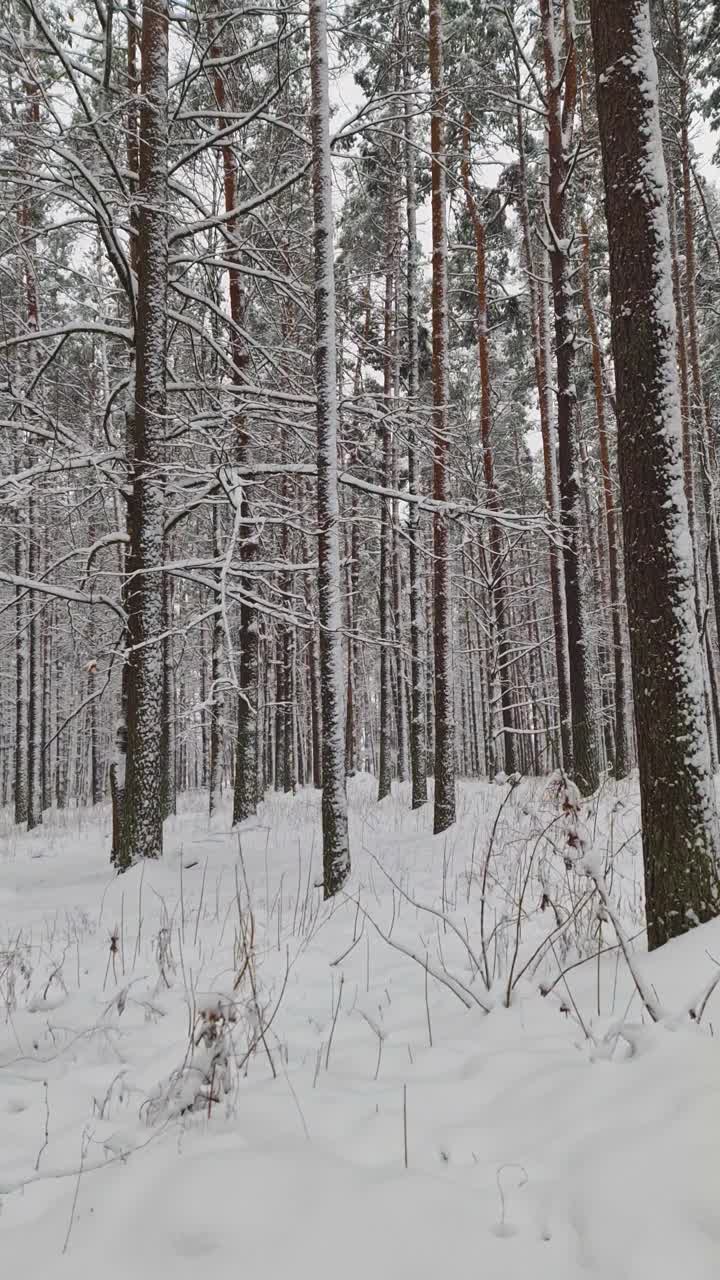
467	1058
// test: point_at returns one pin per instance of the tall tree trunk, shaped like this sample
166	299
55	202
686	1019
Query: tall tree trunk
26	218
418	759
679	827
169	778
336	848
352	718
698	423
118	765
315	717
497	582
21	686
245	787
444	809
621	750
539	322
561	82
689	467
142	827
386	696
215	699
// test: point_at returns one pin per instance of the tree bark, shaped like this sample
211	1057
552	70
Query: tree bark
561	82
336	848
444	808
539	323
418	759
497	569
621	748
246	771
142	826
679	826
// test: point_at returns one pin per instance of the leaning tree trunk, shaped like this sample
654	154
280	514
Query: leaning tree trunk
142	826
444	813
336	848
561	80
679	829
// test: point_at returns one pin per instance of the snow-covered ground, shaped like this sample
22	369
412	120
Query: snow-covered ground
204	1068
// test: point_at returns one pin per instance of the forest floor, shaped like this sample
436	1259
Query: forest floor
203	1067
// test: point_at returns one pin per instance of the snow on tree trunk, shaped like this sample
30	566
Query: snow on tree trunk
538	305
215	698
561	81
697	416
315	711
27	218
418	765
118	764
498	593
621	759
336	849
169	778
385	771
35	675
444	811
21	687
141	833
679	824
245	791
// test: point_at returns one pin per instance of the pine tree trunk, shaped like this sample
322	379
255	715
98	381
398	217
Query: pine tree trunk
541	358
35	676
246	771
118	764
141	834
679	829
169	760
444	809
561	82
418	759
386	691
621	749
497	570
315	724
215	698
689	467
351	709
21	688
336	849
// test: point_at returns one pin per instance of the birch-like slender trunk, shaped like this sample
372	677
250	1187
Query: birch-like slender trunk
336	848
